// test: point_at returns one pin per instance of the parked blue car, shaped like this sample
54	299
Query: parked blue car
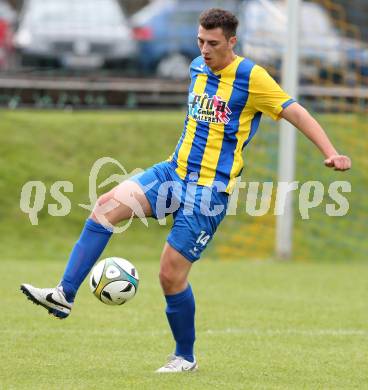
166	32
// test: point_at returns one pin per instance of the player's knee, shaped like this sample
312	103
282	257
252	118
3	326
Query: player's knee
171	280
174	270
103	211
167	279
103	199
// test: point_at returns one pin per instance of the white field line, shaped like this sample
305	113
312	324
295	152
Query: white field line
210	332
288	332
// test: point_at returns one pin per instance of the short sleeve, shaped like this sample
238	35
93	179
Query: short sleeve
265	95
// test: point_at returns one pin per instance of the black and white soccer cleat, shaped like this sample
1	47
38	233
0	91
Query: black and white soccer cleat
52	299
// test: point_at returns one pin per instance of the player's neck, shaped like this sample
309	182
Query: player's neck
228	60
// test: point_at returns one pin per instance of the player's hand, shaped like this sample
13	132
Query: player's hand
338	162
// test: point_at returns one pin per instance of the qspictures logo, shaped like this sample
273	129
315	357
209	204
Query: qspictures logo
255	196
208	109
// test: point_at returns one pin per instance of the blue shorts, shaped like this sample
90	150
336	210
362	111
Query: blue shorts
197	210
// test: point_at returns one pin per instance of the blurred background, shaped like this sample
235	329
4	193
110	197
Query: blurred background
44	42
82	79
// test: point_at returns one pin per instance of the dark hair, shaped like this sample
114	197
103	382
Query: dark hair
217	17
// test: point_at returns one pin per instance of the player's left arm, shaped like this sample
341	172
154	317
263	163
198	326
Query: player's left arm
302	120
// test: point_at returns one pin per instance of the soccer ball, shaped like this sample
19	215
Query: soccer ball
114	281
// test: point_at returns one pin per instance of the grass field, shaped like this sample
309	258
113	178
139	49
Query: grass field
259	326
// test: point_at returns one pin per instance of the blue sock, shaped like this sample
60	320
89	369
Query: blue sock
180	312
86	251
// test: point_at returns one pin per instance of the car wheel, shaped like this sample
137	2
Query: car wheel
174	66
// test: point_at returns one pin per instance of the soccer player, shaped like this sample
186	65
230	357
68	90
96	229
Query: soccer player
227	96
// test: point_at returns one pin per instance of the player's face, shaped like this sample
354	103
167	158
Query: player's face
216	49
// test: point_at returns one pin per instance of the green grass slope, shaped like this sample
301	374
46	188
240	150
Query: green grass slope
52	146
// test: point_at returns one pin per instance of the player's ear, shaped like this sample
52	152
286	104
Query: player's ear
232	41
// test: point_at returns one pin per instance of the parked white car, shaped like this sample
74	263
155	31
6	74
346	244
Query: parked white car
74	34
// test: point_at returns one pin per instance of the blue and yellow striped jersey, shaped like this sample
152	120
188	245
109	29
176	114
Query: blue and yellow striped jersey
224	111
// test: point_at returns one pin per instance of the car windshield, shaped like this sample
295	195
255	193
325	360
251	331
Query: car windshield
58	13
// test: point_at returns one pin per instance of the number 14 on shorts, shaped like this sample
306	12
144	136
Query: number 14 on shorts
200	244
203	238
